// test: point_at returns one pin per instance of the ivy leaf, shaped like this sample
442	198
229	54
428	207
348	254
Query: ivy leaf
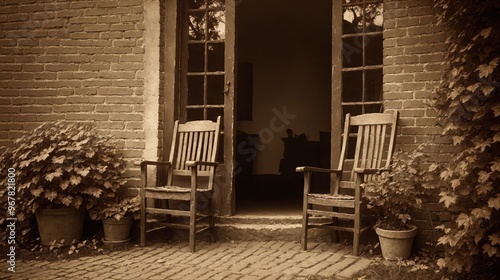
64	184
494	202
484	188
458	139
448	200
494	238
496	137
484	70
83	171
496	110
66	200
108	185
483	177
480	213
463	220
58	160
455	183
56	174
75	180
486	90
490	250
495	165
478	237
36	192
50	195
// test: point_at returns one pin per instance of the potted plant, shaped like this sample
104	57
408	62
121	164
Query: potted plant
60	169
117	214
394	195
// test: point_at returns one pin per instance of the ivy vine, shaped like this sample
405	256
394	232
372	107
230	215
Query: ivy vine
467	102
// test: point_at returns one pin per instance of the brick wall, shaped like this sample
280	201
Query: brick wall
73	60
413	55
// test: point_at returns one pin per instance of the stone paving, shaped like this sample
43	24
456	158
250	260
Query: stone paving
241	260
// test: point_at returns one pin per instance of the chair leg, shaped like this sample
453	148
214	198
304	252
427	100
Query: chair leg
355	246
192	227
356	235
143	222
305	222
335	233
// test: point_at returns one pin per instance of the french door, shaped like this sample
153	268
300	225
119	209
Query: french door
206	79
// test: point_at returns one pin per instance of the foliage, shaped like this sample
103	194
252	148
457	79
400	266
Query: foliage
467	102
117	208
59	164
396	193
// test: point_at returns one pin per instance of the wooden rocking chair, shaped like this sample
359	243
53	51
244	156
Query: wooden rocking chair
193	161
375	139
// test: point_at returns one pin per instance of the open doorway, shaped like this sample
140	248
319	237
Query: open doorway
283	102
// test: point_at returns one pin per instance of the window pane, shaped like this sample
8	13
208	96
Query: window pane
195	90
194	114
213	113
373	50
197	26
373	85
353	20
215	89
216	25
216	3
196	61
197	4
374	18
352	86
352	51
374	108
215	57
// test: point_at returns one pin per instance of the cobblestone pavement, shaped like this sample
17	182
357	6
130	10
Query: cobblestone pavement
246	260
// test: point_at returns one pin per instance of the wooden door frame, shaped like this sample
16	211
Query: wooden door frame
224	199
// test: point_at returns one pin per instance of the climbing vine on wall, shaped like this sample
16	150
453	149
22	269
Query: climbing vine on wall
467	101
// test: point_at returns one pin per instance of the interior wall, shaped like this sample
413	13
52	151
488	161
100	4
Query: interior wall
288	43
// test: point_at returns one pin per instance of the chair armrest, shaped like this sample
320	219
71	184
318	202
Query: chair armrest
316	169
370	170
192	163
158	163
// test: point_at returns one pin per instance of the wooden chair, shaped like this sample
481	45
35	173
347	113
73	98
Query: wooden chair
374	144
193	161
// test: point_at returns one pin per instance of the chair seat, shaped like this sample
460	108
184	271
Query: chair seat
173	189
331	196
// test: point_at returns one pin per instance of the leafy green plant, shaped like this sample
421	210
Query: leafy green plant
60	165
116	208
396	193
468	107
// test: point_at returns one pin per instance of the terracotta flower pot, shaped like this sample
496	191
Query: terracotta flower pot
117	231
396	244
61	223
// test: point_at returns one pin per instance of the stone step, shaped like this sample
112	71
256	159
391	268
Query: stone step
264	228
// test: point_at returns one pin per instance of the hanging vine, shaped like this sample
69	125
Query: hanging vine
467	101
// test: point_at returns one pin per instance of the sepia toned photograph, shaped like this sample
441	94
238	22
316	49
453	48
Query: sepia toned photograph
250	139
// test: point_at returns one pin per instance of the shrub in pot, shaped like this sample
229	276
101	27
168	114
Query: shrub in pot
395	194
117	214
59	166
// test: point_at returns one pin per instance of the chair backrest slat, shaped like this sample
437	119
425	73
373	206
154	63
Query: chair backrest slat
194	141
375	139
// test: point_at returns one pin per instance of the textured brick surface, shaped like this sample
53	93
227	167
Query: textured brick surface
73	60
231	260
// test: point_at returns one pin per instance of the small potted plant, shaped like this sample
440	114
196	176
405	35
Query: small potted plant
61	169
117	214
394	195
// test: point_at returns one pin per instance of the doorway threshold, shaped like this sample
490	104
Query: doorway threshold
269	208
